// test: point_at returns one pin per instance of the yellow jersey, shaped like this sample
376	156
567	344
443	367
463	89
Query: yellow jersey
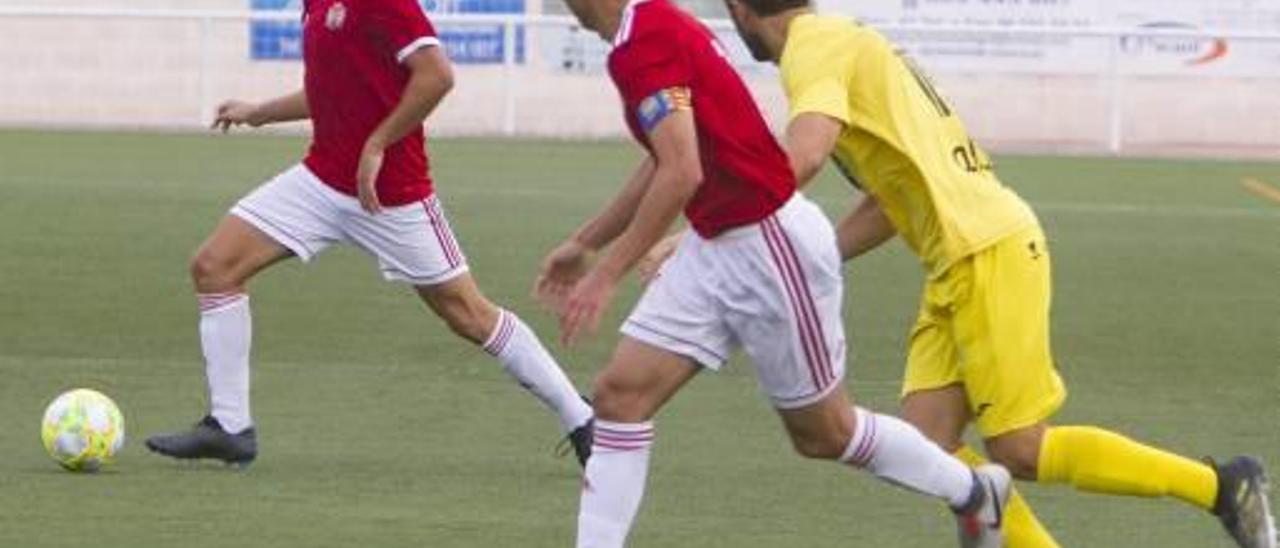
901	142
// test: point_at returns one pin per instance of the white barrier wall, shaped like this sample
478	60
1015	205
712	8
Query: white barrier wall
170	72
92	70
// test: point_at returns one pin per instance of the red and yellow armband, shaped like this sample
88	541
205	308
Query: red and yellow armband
654	108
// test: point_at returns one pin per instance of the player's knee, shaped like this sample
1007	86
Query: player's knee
824	446
616	400
1019	452
1019	464
211	273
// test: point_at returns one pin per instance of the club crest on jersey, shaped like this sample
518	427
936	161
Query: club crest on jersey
336	16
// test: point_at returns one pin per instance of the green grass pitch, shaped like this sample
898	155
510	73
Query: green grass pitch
378	428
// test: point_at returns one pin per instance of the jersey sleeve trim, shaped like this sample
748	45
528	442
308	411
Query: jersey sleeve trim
422	42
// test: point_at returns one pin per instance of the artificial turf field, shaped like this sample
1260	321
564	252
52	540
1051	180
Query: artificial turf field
378	428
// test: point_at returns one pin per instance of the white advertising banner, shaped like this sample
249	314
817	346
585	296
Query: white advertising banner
574	50
1057	53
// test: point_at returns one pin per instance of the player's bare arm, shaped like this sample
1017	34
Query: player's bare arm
430	80
676	176
604	228
651	264
568	262
810	139
286	108
863	229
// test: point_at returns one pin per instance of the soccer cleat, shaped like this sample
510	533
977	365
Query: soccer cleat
1242	503
207	440
580	439
981	521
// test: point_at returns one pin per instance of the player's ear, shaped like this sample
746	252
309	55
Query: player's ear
736	9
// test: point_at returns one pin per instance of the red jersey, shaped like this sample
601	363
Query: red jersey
352	51
746	175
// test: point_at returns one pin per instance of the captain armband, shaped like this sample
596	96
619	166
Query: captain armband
655	108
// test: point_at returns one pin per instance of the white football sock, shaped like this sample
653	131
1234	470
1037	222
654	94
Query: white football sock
226	332
613	484
524	358
896	452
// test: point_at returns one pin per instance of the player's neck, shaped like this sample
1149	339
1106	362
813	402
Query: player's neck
608	18
775	30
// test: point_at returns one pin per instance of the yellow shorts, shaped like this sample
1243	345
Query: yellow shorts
984	323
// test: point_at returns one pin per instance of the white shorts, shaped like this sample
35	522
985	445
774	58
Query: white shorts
413	243
774	288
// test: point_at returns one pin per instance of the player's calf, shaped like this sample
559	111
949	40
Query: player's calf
896	452
821	431
502	334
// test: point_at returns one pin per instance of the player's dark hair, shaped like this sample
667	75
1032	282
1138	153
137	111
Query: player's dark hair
765	8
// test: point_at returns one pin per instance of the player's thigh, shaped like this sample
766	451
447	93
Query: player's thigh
412	243
932	358
941	414
679	311
821	429
233	253
784	294
639	380
290	212
676	330
1002	331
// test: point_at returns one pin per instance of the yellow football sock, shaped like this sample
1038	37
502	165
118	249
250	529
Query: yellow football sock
1021	528
1099	461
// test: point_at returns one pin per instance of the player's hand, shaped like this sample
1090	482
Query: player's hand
652	261
585	305
235	113
561	269
367	179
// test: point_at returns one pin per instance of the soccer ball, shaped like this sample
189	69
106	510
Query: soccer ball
82	430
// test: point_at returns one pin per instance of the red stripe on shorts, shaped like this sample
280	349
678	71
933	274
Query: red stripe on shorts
440	234
807	299
788	281
452	242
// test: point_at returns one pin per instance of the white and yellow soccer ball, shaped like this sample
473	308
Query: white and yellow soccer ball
82	430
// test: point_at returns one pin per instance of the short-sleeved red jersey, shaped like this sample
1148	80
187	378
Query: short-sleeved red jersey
352	52
746	175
